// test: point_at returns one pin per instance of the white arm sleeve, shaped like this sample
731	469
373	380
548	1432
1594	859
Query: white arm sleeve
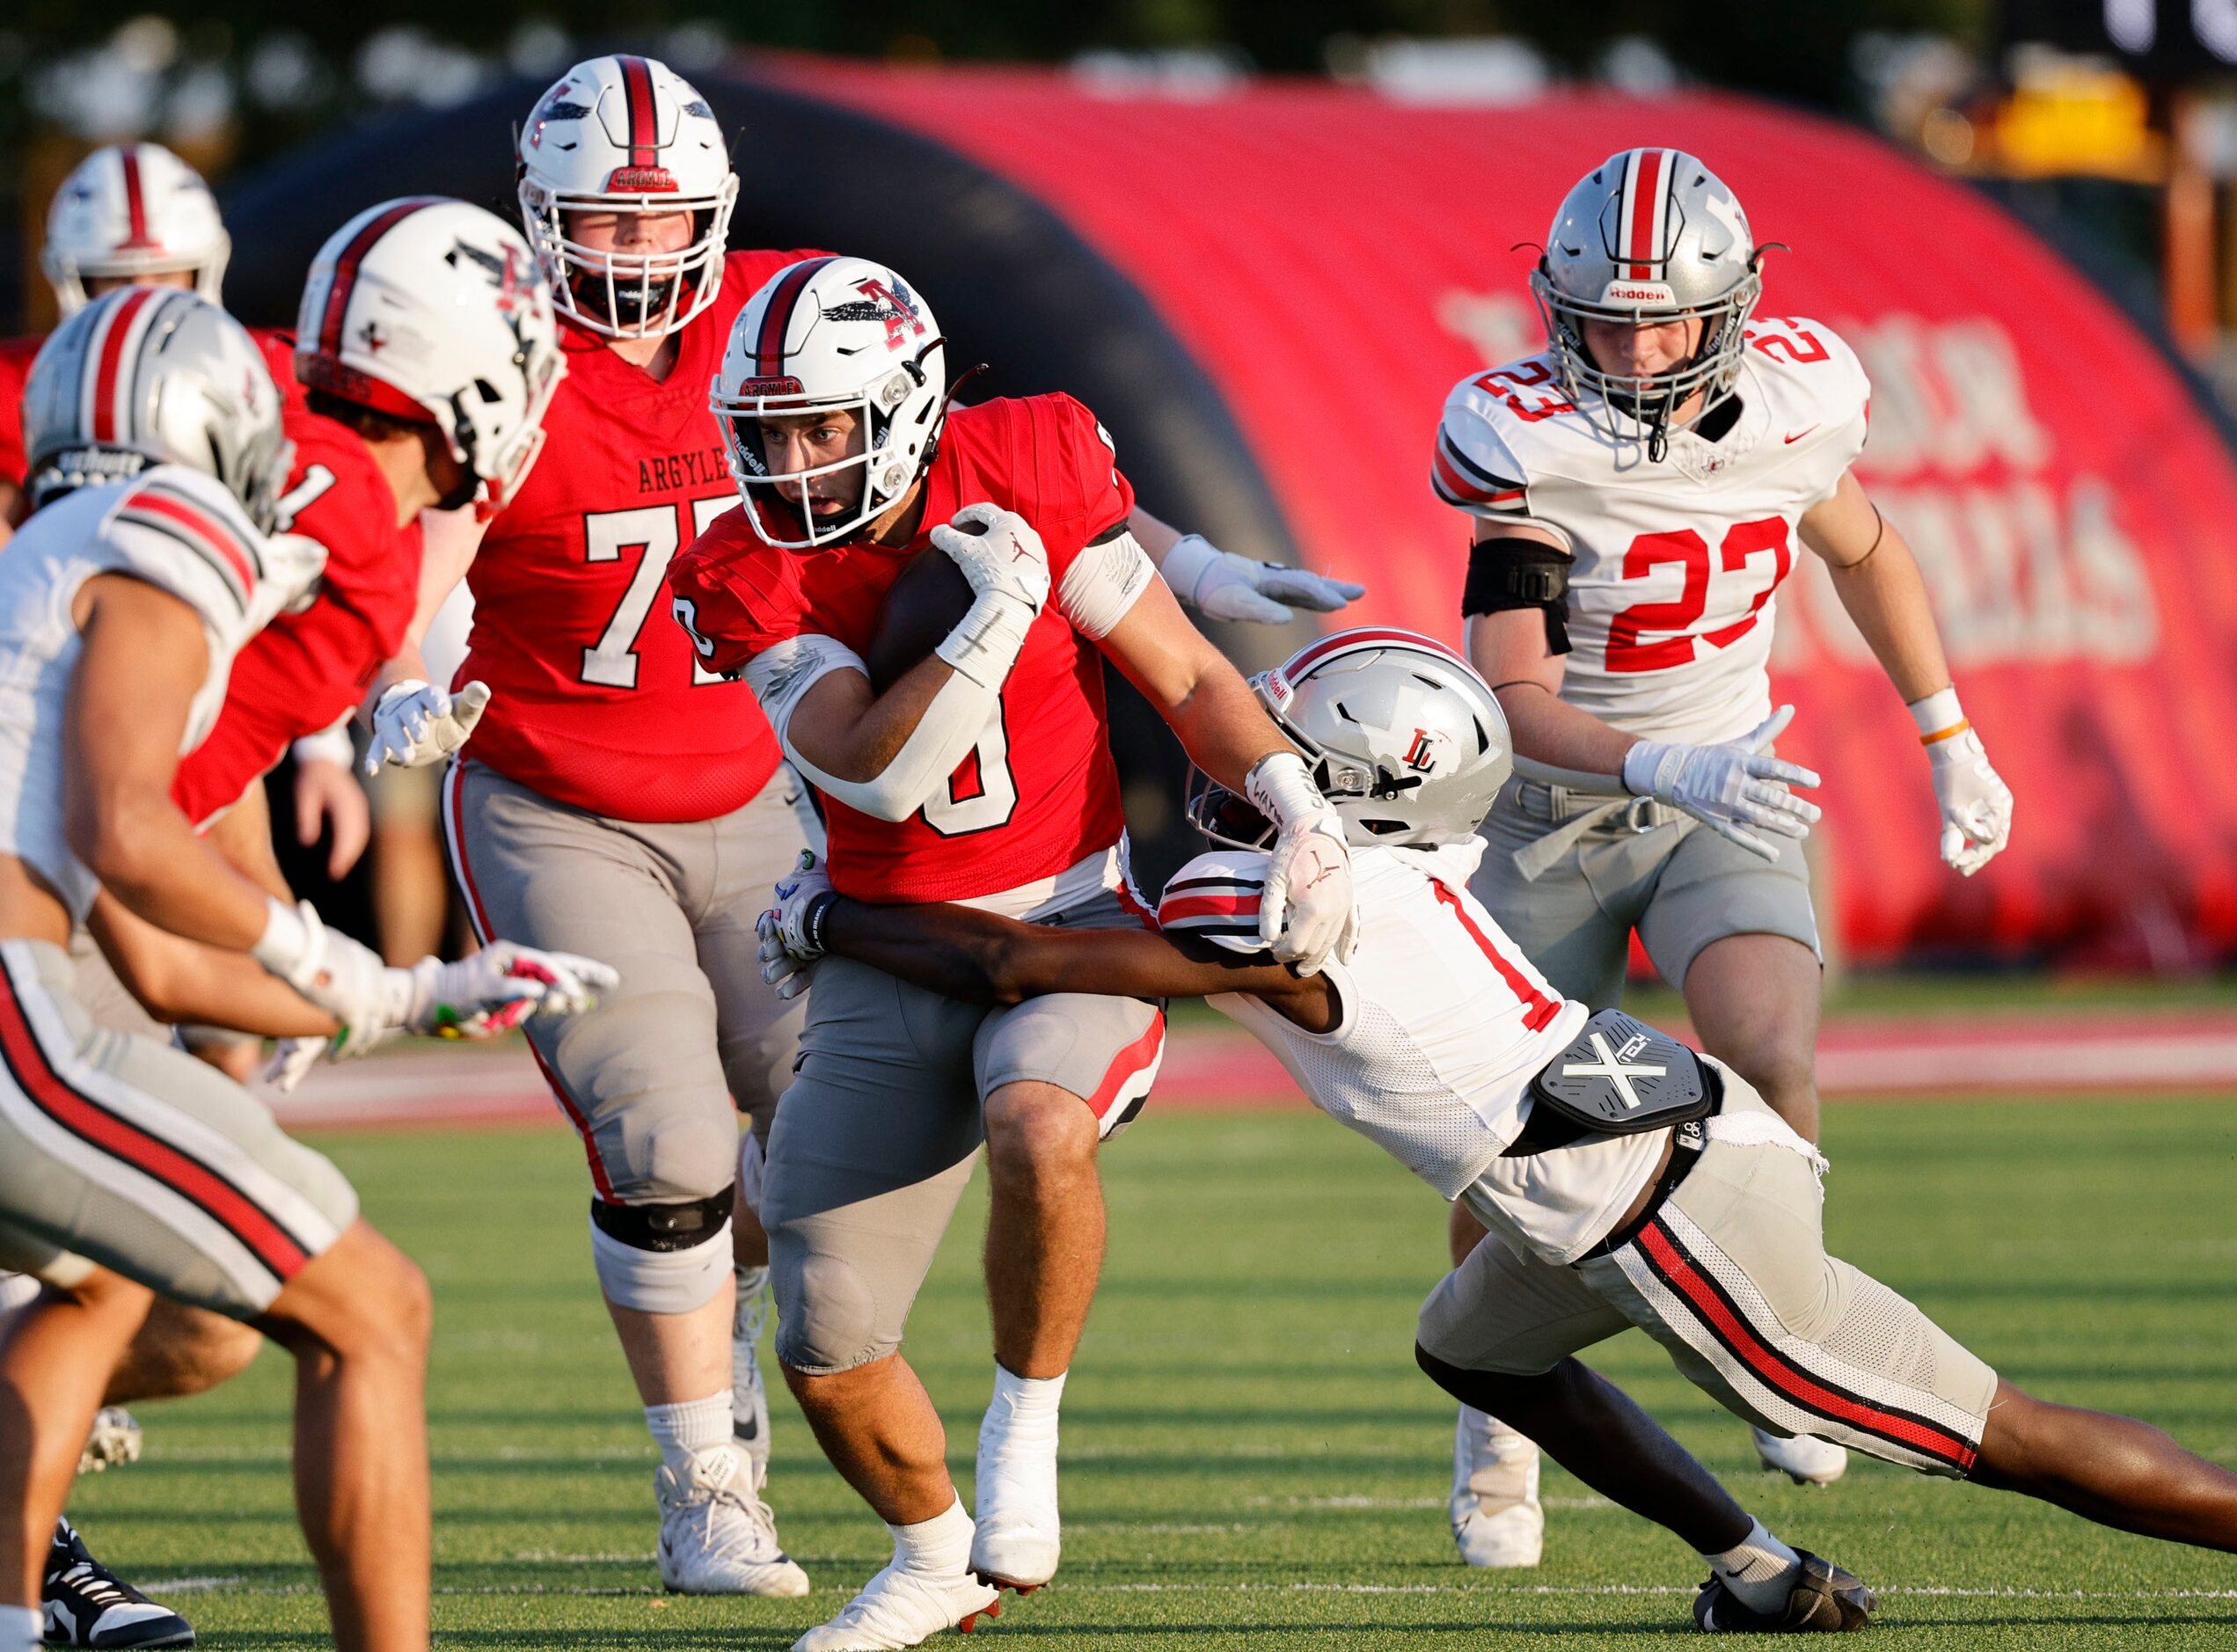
782	675
1102	585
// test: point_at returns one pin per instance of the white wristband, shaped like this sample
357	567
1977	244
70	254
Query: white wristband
1280	789
286	940
1191	557
329	745
1939	717
985	642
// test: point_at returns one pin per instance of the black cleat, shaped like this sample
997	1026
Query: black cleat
88	1605
1822	1600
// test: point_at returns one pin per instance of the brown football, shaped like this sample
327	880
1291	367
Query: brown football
927	602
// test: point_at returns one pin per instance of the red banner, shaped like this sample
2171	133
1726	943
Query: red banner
1337	261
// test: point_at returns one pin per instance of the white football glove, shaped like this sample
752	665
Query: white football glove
1221	585
1976	804
1307	912
792	930
1730	787
416	723
1007	566
491	992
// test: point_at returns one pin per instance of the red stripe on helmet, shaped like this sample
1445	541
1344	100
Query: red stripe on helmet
345	278
768	343
643	118
135	204
1646	192
1315	653
109	359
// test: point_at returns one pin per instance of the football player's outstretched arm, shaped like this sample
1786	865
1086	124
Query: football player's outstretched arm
1878	581
1220	584
415	722
179	980
963	952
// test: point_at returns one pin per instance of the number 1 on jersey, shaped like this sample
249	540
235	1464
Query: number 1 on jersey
657	529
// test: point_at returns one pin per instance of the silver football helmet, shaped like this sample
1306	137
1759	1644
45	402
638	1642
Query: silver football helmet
1404	739
1650	235
148	376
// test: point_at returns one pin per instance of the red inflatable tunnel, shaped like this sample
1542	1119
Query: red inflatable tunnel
1335	261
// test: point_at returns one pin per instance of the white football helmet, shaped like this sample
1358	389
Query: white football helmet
832	335
626	135
148	376
1648	234
131	210
432	311
1405	741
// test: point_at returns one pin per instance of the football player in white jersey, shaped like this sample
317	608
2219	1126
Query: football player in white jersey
126	1167
1639	489
1623	1180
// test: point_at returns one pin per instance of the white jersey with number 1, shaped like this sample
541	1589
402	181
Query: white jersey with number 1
1676	561
1443	1025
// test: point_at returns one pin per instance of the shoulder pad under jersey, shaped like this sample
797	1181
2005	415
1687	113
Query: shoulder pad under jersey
1215	896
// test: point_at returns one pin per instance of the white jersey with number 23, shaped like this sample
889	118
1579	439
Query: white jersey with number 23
1672	590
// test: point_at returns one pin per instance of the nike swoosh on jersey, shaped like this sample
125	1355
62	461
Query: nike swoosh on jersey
1799	435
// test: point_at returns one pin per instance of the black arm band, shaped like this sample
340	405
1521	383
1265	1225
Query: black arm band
1505	573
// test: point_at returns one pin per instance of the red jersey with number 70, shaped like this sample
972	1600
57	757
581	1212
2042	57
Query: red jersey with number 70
597	702
1039	792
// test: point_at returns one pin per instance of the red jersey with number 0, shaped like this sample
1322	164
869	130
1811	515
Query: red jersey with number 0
1040	793
304	672
592	705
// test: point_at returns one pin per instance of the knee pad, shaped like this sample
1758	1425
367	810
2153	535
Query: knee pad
662	1258
827	1314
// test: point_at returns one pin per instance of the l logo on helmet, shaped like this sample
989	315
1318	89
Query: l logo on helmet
1422	755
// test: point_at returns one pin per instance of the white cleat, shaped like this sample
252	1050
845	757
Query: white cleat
716	1536
115	1440
1019	1536
1497	1520
902	1608
1804	1460
748	1399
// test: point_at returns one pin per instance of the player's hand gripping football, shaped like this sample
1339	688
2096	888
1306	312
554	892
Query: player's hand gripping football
1736	788
1007	566
493	991
1976	804
416	723
1220	584
792	930
1307	912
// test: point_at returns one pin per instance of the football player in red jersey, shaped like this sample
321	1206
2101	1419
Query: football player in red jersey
982	773
616	788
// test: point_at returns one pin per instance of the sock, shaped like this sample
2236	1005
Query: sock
938	1548
21	1628
1758	1570
1024	1408
682	1431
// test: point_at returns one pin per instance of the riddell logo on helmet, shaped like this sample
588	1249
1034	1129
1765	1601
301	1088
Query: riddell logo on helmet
641	180
1637	293
763	387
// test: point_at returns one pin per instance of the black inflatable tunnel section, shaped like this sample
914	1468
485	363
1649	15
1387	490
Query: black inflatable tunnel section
1012	284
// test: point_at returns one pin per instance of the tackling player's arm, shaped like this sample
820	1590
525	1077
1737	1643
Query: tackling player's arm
963	952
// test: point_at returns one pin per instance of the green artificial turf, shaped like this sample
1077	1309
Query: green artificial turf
1250	1458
